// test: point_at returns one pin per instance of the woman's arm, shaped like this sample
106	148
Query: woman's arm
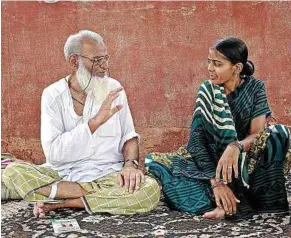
229	159
257	125
229	162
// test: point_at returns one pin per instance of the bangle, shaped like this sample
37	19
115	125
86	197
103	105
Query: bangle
239	145
217	184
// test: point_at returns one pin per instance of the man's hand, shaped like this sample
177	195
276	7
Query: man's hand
225	198
227	163
130	178
106	111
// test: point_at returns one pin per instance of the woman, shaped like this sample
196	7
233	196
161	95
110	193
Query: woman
232	165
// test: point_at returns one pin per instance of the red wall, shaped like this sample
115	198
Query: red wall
158	52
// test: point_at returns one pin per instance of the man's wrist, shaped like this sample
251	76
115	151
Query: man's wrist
131	163
93	125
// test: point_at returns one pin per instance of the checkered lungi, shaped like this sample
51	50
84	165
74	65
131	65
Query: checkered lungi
103	195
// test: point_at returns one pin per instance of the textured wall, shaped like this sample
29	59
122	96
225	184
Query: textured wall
158	52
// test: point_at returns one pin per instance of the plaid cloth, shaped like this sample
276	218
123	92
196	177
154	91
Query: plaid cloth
103	195
7	194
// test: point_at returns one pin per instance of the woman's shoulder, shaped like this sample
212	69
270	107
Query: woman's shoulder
253	85
208	85
205	83
252	81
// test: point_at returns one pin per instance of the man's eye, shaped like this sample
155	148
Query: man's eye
99	60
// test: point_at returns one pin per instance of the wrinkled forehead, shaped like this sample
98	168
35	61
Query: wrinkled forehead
92	48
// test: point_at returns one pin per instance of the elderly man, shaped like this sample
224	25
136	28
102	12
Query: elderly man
89	142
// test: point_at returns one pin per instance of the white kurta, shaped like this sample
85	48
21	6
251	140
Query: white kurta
68	144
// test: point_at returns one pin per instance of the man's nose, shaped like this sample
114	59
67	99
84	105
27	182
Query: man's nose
105	64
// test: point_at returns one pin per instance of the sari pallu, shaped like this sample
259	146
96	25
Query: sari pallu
185	174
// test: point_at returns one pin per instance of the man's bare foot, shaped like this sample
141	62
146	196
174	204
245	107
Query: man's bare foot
217	213
40	208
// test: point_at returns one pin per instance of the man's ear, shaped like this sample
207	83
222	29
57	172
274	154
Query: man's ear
74	62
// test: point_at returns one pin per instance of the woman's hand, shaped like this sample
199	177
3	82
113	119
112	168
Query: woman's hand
225	198
227	163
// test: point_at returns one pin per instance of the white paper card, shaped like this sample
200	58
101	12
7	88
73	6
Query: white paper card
65	225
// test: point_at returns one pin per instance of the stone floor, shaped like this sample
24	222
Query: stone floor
18	221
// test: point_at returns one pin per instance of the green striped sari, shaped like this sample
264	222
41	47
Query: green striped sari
217	121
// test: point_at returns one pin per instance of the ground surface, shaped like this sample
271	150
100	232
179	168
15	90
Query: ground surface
18	221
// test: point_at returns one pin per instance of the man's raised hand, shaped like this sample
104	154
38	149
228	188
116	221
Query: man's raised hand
106	110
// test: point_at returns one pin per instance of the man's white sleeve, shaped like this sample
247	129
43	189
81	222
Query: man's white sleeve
126	122
60	146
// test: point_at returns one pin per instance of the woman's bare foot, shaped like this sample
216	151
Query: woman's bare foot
217	213
40	208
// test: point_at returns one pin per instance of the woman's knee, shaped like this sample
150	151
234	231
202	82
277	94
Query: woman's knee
277	143
280	133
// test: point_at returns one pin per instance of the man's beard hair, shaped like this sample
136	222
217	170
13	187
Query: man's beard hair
98	85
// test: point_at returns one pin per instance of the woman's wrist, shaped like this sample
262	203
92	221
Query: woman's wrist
238	144
212	181
217	184
214	184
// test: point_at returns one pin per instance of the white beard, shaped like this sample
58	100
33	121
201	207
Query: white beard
98	85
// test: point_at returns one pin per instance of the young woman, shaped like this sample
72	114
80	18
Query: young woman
232	165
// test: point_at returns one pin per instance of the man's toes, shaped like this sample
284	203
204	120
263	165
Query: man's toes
35	210
39	209
41	215
41	212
